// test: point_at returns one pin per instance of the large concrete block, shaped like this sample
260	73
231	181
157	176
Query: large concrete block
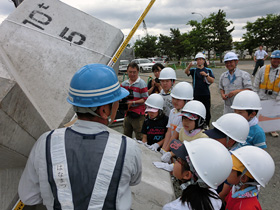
44	42
156	188
21	124
9	179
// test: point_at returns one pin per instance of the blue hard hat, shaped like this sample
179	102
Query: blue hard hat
275	54
95	85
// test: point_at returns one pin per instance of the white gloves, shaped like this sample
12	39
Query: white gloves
162	151
166	157
164	166
141	142
154	147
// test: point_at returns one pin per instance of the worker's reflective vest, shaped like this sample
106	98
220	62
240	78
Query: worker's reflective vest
267	84
103	169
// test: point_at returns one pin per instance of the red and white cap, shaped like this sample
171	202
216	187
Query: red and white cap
151	109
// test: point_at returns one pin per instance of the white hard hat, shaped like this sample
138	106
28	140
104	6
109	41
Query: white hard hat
210	159
167	73
230	56
183	91
234	126
155	101
195	107
257	161
199	55
246	100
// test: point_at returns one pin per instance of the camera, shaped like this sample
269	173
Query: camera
157	80
268	92
123	103
194	62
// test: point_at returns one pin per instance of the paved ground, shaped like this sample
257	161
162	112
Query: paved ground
269	196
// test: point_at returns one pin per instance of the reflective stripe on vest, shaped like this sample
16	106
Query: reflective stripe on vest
60	169
105	173
61	176
266	84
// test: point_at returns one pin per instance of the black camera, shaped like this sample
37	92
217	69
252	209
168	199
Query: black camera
268	92
123	103
157	80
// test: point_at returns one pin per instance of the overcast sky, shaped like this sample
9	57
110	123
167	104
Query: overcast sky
166	14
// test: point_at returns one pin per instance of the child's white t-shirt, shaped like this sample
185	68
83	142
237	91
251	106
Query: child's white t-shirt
167	105
174	121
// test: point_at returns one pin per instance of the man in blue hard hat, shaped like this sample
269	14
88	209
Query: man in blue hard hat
85	166
267	81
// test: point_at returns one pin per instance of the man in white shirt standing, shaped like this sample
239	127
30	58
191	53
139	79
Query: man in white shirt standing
259	58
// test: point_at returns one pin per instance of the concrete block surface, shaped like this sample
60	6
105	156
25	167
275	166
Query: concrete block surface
44	43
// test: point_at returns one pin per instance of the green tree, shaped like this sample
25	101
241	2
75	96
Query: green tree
249	42
219	37
165	46
265	31
197	37
240	48
146	47
188	47
178	44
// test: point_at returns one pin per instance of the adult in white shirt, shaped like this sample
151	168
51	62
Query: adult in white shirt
259	58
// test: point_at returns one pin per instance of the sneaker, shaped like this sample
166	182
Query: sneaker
274	134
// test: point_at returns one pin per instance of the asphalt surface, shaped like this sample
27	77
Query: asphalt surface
269	196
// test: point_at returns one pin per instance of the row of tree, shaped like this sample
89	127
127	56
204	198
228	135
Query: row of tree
264	30
211	34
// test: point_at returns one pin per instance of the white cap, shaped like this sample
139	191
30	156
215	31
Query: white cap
234	126
199	55
155	101
167	73
247	100
183	91
210	159
230	56
195	107
257	161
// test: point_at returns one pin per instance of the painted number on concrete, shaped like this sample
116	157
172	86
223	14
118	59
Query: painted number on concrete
71	36
39	19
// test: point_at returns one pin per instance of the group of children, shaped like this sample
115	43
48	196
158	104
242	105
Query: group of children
226	163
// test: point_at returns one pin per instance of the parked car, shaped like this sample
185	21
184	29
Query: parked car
145	65
157	60
123	66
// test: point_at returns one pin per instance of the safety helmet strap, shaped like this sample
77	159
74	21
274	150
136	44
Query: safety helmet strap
240	184
200	121
199	181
